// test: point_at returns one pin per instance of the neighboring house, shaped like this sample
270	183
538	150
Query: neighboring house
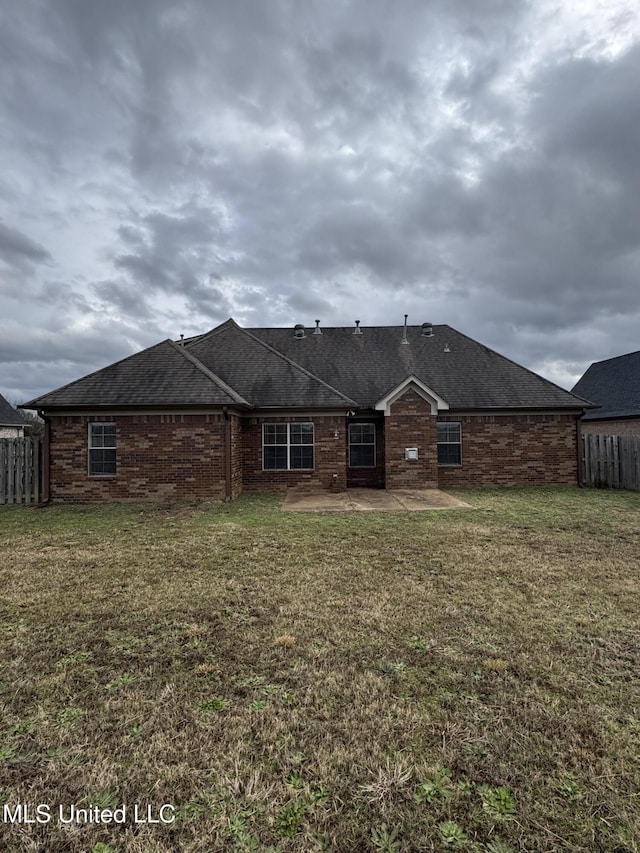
614	385
12	423
238	409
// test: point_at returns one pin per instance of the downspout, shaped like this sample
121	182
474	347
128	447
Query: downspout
580	450
227	455
46	460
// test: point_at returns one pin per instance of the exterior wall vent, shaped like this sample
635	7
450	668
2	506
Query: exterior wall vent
427	330
317	330
298	330
357	330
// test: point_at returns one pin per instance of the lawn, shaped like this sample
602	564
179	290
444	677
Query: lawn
458	680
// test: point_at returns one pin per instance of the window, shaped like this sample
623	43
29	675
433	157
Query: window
287	447
449	444
362	445
102	450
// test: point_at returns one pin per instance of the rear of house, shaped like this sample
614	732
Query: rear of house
237	409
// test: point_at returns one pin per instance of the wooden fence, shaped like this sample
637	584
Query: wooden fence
611	461
20	470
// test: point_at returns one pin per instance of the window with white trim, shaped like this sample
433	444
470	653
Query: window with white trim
362	445
449	444
102	449
287	447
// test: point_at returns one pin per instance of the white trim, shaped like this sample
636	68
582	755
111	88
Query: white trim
456	443
90	447
435	401
289	445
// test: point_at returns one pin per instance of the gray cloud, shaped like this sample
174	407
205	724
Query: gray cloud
16	248
171	163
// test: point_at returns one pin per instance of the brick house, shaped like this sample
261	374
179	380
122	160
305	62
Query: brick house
614	386
238	409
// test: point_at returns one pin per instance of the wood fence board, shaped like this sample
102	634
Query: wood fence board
611	461
20	475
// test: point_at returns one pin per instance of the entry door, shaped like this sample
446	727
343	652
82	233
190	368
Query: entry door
364	451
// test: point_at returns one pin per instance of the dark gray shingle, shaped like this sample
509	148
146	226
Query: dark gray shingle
614	384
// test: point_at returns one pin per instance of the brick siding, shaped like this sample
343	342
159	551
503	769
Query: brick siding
159	457
330	454
514	450
623	426
182	455
410	424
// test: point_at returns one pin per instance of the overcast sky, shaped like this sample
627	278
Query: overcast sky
167	164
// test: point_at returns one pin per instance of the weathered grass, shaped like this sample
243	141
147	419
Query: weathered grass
352	682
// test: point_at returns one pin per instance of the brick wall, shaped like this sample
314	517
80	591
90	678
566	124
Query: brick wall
158	457
625	426
514	450
330	454
410	424
236	457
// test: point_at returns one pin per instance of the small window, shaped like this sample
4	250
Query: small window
362	445
287	447
449	444
102	450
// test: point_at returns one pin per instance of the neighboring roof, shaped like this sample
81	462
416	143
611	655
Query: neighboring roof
368	366
9	416
614	384
264	376
271	368
159	376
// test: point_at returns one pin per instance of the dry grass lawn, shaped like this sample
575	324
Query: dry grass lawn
355	682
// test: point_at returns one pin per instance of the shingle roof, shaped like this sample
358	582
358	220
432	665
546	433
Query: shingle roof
271	368
367	366
264	376
9	416
162	375
614	384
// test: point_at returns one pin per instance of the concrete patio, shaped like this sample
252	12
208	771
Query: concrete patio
308	499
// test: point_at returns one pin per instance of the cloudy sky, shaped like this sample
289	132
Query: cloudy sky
166	164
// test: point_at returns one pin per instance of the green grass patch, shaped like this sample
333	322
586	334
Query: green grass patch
343	682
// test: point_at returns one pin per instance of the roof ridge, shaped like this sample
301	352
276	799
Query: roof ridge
93	373
297	366
221	384
613	358
521	366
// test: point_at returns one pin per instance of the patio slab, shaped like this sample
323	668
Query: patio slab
306	499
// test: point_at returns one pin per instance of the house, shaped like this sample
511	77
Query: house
12	423
614	385
247	409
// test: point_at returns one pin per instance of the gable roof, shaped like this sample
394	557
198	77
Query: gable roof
469	376
158	376
9	416
265	376
613	384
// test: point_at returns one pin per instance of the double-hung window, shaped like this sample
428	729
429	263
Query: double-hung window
362	445
287	447
102	450
449	444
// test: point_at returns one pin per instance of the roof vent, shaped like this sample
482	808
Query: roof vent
317	330
357	330
427	330
298	330
181	339
405	340
446	348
